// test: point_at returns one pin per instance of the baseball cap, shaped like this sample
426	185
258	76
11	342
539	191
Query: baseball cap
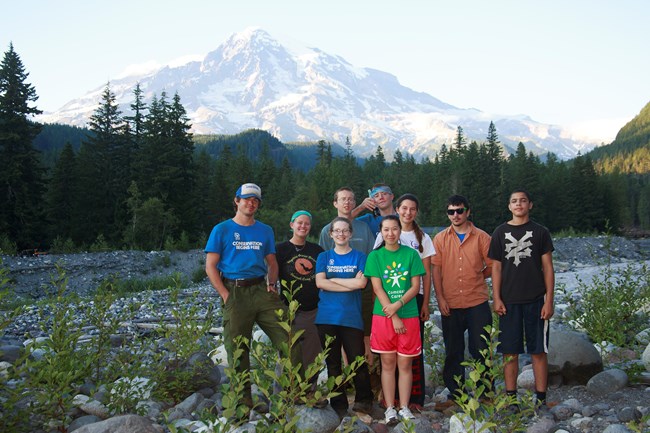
249	190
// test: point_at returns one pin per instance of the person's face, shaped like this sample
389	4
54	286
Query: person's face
407	211
383	200
390	231
341	232
519	204
247	206
345	202
457	219
301	226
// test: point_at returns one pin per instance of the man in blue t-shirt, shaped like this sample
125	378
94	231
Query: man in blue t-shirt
242	267
379	203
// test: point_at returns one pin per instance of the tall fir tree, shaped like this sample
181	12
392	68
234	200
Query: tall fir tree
63	197
21	172
104	167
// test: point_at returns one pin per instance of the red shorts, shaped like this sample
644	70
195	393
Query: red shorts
384	339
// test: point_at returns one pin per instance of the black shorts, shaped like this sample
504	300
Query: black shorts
522	322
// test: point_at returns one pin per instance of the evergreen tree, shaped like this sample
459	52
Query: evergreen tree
104	167
21	173
460	141
62	197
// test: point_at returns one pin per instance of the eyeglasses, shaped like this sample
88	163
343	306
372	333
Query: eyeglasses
459	211
341	231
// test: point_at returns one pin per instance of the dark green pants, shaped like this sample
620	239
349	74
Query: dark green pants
245	307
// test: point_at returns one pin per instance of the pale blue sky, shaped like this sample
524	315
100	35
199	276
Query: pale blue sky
564	62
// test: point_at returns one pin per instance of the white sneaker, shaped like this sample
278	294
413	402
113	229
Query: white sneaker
405	413
390	415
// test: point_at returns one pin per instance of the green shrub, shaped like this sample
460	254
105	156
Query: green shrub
63	246
7	246
484	405
613	297
156	283
198	274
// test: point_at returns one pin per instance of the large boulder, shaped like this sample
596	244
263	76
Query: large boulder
317	420
645	358
607	381
573	356
122	424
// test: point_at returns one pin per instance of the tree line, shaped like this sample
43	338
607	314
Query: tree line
141	181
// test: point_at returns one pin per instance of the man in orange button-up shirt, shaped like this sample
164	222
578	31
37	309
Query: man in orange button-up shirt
460	267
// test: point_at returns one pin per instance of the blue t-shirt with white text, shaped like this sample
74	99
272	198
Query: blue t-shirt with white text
340	308
242	249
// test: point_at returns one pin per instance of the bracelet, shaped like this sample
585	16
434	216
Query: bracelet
400	299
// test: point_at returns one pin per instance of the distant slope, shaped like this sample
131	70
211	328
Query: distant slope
302	156
630	151
53	137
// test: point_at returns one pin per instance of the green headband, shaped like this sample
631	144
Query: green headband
298	213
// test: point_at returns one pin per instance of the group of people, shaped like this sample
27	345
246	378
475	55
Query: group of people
365	288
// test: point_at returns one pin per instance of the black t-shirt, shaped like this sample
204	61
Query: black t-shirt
520	250
298	263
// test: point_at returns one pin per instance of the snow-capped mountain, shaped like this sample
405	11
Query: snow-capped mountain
305	94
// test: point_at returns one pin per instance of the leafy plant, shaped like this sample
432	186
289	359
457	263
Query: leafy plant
52	377
486	408
621	297
180	340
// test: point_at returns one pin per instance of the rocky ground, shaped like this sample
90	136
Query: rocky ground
575	258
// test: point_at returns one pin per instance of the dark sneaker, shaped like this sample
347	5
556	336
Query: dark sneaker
363	407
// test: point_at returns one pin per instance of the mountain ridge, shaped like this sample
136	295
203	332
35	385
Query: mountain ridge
305	94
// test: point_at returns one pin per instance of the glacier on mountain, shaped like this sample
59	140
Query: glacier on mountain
304	94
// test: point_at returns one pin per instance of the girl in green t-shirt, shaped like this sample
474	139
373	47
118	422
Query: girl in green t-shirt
395	272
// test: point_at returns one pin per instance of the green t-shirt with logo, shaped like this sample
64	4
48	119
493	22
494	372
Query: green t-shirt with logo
395	268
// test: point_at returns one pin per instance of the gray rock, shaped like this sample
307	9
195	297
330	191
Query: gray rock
317	420
190	403
573	356
122	424
581	423
526	379
589	411
616	428
90	406
607	382
206	373
562	412
351	425
10	353
459	421
543	425
645	358
643	337
421	426
573	403
628	414
209	406
82	421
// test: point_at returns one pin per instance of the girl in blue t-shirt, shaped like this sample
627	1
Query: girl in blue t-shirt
339	276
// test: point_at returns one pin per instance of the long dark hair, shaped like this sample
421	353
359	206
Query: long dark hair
381	224
419	234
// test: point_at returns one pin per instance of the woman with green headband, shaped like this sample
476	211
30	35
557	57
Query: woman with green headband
297	262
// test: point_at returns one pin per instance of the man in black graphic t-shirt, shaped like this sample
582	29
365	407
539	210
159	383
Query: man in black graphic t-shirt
523	283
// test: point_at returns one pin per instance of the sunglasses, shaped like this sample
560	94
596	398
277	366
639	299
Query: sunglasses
459	211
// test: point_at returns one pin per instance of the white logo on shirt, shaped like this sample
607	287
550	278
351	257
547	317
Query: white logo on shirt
518	249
